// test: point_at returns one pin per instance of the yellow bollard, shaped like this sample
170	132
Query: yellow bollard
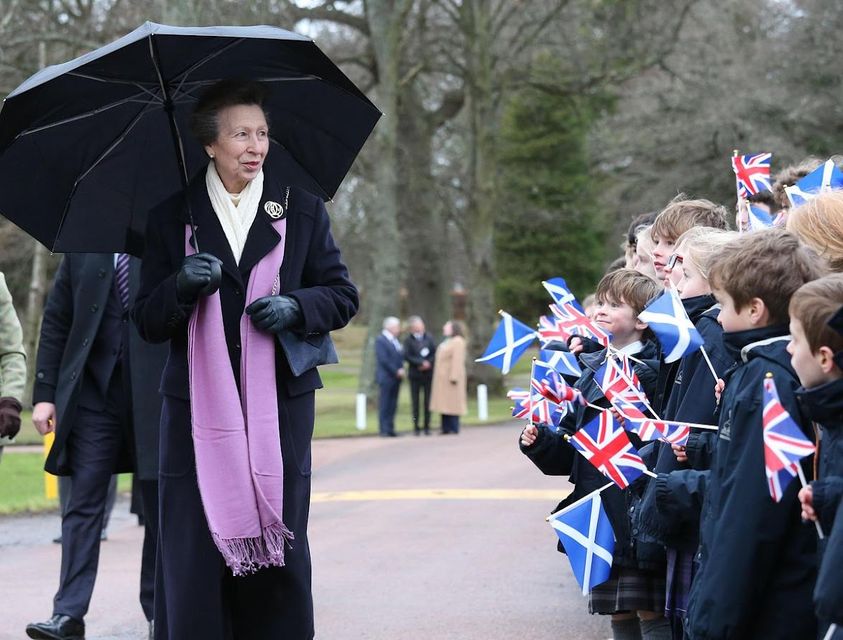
51	482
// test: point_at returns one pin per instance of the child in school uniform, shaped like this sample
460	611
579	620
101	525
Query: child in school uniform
674	523
634	593
756	558
812	349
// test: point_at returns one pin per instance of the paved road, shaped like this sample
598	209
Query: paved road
437	538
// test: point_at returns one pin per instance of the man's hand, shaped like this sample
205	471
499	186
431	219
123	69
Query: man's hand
806	497
425	365
44	417
400	374
529	435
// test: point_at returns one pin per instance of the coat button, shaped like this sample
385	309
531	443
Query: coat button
94	308
101	273
85	342
237	292
237	346
73	375
40	375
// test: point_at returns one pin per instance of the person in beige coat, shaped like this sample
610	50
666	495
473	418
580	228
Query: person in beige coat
449	378
12	367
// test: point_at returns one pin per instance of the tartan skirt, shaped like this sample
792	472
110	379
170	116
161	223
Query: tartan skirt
628	590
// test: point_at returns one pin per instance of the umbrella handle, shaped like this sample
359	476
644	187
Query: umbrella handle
169	108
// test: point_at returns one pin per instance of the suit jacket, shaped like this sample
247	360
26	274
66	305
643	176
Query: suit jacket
72	349
312	272
415	354
388	360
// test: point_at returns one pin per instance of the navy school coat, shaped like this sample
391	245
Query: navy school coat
756	559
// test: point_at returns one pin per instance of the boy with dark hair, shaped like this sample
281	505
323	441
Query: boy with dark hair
812	352
676	218
756	558
634	593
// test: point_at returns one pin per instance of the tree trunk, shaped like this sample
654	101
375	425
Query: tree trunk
386	23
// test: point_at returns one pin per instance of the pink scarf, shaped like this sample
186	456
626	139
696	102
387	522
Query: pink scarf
236	439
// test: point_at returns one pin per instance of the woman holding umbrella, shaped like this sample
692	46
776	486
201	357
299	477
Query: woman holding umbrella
236	421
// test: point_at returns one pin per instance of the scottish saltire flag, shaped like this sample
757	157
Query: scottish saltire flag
752	173
564	362
512	338
622	388
573	322
784	442
669	321
586	533
759	218
605	445
824	178
561	294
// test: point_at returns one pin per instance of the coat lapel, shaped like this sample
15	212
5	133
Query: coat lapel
209	232
262	236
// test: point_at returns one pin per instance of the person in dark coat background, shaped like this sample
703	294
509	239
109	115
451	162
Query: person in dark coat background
419	351
389	372
92	387
756	557
268	269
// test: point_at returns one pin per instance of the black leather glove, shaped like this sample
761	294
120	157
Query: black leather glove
275	313
10	410
200	275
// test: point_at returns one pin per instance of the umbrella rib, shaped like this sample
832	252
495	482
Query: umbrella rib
82	116
132	83
182	75
95	163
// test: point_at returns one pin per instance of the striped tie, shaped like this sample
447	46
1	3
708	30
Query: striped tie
121	278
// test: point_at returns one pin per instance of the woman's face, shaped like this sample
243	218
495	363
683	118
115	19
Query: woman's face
447	330
241	145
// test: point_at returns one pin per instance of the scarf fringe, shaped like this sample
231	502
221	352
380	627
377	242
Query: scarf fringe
246	555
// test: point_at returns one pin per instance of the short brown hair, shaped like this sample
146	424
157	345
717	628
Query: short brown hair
770	264
819	224
682	213
813	304
627	286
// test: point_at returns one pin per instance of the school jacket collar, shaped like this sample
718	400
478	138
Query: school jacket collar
744	345
823	404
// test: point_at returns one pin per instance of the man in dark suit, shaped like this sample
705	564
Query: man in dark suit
389	372
419	351
92	369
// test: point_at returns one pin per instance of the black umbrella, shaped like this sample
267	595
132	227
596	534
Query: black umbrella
89	146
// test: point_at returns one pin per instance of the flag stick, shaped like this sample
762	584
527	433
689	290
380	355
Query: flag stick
805	484
830	633
710	366
578	502
530	392
650	473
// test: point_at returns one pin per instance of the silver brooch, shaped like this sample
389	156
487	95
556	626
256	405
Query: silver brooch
274	209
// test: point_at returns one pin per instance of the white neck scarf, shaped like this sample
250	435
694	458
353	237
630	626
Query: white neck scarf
235	220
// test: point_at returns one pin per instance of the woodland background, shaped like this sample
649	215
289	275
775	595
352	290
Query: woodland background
519	136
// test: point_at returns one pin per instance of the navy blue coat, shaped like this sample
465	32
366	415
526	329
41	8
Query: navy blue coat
388	360
554	456
313	273
756	560
691	399
824	405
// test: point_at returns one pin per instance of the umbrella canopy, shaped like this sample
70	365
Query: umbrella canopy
89	146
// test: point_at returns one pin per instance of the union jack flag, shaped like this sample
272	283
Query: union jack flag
784	443
555	389
622	388
778	481
574	322
543	411
665	430
605	445
752	173
552	330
